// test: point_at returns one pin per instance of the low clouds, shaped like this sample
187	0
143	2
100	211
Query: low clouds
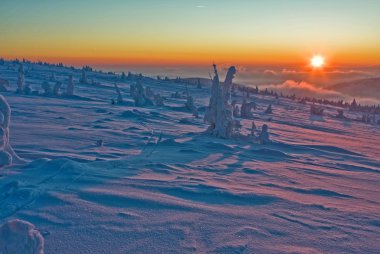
305	89
302	89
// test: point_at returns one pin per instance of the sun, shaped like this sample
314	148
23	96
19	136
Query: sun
317	61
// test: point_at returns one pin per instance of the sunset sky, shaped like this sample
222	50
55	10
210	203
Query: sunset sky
169	32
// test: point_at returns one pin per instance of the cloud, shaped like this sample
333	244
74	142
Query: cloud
302	89
201	6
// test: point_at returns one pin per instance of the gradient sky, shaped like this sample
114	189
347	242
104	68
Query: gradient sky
190	32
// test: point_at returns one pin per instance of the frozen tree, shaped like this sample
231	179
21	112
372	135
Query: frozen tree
119	96
269	109
123	76
246	109
20	81
149	92
190	103
253	129
83	79
236	111
70	86
7	155
314	110
20	237
219	112
3	85
264	135
47	88
158	100
340	114
56	88
27	89
139	94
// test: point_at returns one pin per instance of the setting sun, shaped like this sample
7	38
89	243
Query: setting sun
317	61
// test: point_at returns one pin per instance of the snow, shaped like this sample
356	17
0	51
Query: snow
159	184
20	237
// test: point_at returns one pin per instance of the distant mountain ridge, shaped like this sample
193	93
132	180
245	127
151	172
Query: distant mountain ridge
369	87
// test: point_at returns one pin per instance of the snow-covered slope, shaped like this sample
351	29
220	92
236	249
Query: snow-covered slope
160	185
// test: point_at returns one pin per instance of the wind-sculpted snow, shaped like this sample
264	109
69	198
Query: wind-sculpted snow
160	184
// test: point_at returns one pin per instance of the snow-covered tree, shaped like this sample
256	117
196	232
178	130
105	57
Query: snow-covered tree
246	109
139	95
253	129
123	76
314	110
47	88
70	86
56	88
264	135
27	89
4	84
7	155
20	81
158	100
119	96
236	112
219	112
149	92
269	109
83	79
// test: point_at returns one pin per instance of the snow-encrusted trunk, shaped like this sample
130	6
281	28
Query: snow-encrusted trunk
219	112
7	155
70	86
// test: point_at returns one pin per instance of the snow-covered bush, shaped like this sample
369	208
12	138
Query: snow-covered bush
20	237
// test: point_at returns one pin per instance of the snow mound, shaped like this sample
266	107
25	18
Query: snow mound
20	237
